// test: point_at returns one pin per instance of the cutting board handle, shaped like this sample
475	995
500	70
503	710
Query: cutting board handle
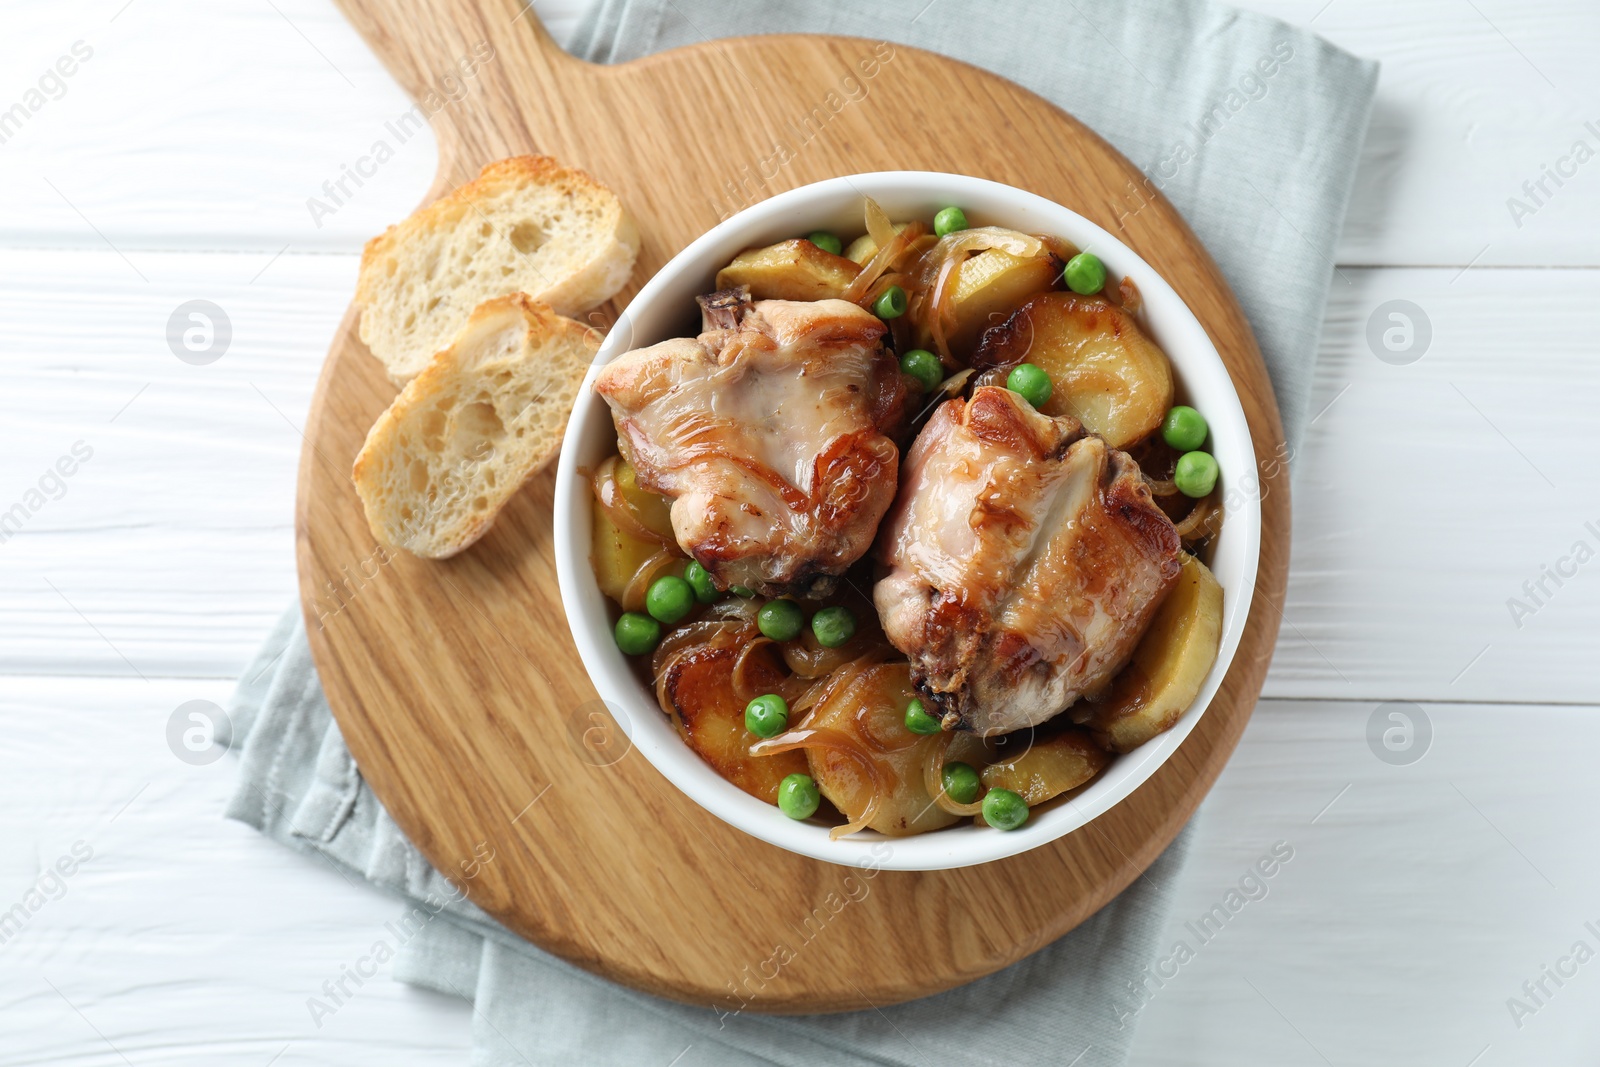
449	52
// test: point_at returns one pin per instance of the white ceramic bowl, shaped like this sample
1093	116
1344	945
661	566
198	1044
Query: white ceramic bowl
665	308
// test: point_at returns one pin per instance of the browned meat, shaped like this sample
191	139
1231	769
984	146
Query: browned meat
770	432
1026	561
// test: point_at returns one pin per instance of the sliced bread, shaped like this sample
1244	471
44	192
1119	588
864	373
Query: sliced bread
484	415
526	224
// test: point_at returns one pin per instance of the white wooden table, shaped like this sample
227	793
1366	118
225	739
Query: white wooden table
175	162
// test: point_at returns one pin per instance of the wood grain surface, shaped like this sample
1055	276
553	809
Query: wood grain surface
456	684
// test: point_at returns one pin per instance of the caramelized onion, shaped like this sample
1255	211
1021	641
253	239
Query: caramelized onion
790	687
804	737
948	389
879	226
935	281
883	284
963	243
933	779
662	699
808	700
1129	297
1197	523
851	672
808	658
939	313
609	496
843	677
685	640
995	376
739	608
881	261
836	686
718	633
664	671
868	813
892	247
741	689
652	568
1059	247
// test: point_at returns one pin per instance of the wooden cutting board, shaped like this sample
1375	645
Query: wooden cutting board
456	684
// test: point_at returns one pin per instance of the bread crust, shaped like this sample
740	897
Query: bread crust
526	224
487	413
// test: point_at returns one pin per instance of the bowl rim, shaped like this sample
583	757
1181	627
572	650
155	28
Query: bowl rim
1196	364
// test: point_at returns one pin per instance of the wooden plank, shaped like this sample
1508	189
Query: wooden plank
176	907
173	539
1473	101
1419	898
216	153
1431	492
211	152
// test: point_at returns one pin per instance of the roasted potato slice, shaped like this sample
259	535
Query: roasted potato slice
1169	666
864	247
989	287
709	717
867	717
1106	372
789	270
617	555
620	546
1048	768
653	510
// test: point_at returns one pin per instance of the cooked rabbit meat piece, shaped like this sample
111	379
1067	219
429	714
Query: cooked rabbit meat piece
1025	562
724	309
770	432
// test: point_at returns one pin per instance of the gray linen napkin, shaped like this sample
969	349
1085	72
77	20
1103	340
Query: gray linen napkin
1252	128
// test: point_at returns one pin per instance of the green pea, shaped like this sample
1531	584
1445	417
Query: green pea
766	716
699	580
669	599
636	633
1031	383
1004	810
961	783
833	626
891	305
781	620
949	220
1196	474
798	797
1085	274
1184	428
742	590
826	241
924	366
918	721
